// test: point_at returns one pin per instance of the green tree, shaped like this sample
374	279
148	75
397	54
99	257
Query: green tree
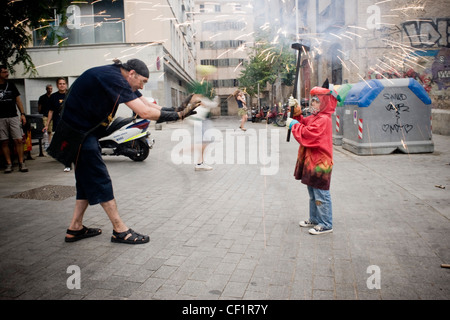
268	61
17	19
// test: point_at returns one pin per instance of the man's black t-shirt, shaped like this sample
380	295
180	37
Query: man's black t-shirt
56	103
8	95
94	95
44	102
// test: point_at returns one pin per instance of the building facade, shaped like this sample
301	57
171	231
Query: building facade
224	32
352	41
96	32
348	40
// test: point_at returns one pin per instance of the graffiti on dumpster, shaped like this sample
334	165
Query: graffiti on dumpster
398	109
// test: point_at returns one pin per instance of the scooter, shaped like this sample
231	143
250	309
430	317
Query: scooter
271	115
261	115
280	120
127	137
254	114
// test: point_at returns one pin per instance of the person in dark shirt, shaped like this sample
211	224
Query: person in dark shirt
44	106
9	122
92	98
56	103
55	108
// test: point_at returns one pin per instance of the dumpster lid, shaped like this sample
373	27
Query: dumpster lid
364	93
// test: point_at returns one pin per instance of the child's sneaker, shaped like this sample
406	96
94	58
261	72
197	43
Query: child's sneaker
319	230
306	224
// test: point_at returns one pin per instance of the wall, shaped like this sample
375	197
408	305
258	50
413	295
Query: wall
55	62
404	38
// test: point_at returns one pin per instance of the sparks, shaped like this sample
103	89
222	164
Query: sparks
343	63
48	64
20	22
335	35
365	81
240	63
67	38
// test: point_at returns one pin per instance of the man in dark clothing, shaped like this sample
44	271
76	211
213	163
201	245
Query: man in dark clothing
56	103
93	97
55	107
44	106
9	122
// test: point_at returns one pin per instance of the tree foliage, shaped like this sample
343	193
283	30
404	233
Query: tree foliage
269	60
17	19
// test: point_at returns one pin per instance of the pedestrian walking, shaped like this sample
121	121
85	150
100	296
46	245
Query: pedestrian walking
242	108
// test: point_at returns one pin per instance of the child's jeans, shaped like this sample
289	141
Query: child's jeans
320	209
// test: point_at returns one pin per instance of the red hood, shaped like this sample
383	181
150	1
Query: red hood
328	99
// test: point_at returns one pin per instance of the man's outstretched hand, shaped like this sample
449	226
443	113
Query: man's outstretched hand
188	106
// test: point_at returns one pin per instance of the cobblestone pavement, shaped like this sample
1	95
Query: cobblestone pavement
232	233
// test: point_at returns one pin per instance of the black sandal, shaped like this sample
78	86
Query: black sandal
134	238
82	234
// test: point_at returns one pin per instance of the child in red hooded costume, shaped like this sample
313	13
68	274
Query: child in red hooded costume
315	156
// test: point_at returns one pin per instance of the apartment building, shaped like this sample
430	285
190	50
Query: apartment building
160	34
224	32
351	41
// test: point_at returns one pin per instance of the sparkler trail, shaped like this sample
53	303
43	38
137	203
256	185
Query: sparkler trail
240	63
335	35
351	61
377	72
223	53
348	37
357	27
382	2
62	41
364	80
354	34
20	22
47	64
343	63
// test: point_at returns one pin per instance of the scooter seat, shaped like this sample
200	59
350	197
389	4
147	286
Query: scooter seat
118	123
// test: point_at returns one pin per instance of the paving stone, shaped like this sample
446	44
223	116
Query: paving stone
232	233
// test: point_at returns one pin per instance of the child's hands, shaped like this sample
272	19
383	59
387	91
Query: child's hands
292	102
290	122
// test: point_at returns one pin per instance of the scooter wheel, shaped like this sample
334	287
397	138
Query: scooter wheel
280	120
142	150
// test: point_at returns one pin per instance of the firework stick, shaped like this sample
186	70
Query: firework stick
299	47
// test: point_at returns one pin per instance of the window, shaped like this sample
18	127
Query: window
225	83
225	44
222	62
99	22
223	26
